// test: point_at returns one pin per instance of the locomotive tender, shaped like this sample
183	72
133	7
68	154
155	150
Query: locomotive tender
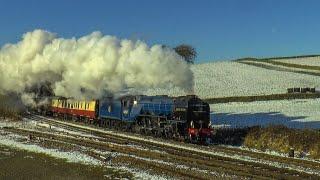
171	117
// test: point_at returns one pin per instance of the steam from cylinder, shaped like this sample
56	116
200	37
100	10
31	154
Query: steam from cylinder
88	67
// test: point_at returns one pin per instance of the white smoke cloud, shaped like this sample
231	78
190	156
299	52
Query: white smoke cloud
88	67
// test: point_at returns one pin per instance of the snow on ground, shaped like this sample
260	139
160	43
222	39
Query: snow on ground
292	113
224	79
77	157
311	61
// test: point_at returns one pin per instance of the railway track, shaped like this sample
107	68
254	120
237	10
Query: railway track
302	163
228	150
205	161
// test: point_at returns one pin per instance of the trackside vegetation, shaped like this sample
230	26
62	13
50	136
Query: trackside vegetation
276	138
282	139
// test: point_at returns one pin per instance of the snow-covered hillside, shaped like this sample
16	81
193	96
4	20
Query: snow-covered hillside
292	113
311	61
224	79
269	65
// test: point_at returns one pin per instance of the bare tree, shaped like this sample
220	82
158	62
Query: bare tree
188	52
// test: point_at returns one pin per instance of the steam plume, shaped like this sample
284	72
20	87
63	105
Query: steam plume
88	67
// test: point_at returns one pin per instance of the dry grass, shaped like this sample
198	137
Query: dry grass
275	137
281	138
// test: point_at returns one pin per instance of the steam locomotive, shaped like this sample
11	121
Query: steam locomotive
184	117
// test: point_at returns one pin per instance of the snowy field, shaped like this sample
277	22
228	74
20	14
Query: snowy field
311	61
279	67
292	113
225	79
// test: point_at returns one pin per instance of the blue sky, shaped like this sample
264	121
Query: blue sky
220	30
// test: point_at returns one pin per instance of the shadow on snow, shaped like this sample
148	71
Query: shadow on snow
240	120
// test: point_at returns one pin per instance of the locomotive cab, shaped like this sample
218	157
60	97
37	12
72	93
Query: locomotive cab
195	114
198	113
